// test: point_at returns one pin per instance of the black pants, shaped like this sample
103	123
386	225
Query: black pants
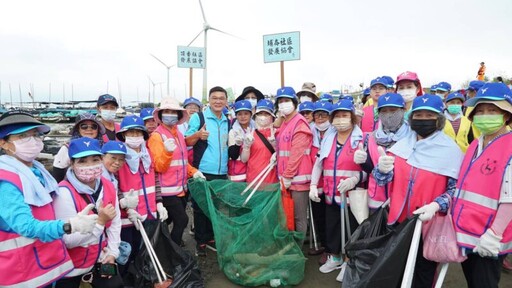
482	271
97	282
177	215
333	228
132	236
202	224
319	217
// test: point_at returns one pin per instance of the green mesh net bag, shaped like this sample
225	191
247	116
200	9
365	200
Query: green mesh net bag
254	247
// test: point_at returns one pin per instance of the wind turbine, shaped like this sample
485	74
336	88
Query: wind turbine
168	70
205	29
154	84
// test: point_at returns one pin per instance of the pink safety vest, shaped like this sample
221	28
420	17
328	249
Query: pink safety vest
368	123
320	185
237	170
28	262
117	127
284	146
377	195
84	258
259	159
174	180
142	182
478	192
337	168
411	189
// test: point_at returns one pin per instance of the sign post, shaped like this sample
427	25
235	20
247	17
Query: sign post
281	47
191	57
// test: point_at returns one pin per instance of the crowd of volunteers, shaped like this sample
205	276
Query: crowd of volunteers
424	154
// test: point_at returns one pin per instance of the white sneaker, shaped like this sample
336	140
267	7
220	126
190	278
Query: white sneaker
339	278
331	264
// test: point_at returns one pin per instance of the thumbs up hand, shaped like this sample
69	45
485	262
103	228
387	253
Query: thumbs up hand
248	139
386	163
360	155
203	134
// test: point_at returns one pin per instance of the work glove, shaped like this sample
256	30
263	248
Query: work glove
162	211
313	193
169	145
248	140
347	184
239	140
133	216
272	138
83	222
386	163
360	155
489	244
287	182
428	211
273	158
130	200
198	174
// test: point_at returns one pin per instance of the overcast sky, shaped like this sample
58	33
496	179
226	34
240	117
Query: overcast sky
95	45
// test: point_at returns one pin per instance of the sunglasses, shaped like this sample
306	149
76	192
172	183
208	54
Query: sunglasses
87	126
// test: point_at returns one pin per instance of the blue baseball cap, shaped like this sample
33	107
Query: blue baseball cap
475	85
323	106
146	113
455	95
83	147
444	86
17	121
391	100
366	92
379	80
389	80
243	105
491	92
114	147
265	105
347	97
428	102
286	92
105	98
326	97
343	105
433	88
132	122
307	106
192	100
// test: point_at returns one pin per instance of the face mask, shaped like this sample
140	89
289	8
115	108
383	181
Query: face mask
342	124
170	119
454	109
440	94
253	102
134	142
28	150
408	94
286	107
108	115
488	124
391	121
322	126
424	127
263	121
305	99
88	173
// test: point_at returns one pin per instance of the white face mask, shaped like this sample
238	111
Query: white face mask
108	115
305	99
440	94
342	124
408	94
134	142
286	107
263	121
28	150
253	102
322	126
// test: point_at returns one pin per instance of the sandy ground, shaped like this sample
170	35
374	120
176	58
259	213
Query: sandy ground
215	278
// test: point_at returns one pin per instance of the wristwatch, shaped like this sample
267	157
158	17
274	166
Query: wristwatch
67	228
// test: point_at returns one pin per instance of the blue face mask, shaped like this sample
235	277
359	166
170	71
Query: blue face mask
108	115
169	119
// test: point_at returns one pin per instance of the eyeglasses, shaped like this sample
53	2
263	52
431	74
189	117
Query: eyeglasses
215	99
117	159
89	126
25	137
321	115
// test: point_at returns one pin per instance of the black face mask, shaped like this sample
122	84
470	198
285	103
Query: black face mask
424	127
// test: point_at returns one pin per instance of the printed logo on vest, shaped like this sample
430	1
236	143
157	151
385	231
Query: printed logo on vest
488	167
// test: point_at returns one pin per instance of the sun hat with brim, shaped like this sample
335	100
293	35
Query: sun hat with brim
248	90
391	100
242	105
286	92
132	122
84	117
171	104
20	121
444	86
308	89
265	105
115	147
323	106
490	91
146	113
343	105
306	106
453	96
501	104
429	102
83	147
379	80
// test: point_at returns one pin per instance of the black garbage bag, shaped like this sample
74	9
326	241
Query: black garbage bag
177	263
378	252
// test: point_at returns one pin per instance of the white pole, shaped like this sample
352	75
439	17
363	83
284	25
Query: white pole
205	67
442	274
411	257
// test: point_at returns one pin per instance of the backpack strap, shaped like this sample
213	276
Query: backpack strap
265	141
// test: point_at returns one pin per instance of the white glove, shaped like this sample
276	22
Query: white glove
386	163
130	200
169	145
427	211
239	140
489	244
133	216
273	158
313	193
83	222
347	184
360	155
248	140
272	138
198	174
287	182
162	211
